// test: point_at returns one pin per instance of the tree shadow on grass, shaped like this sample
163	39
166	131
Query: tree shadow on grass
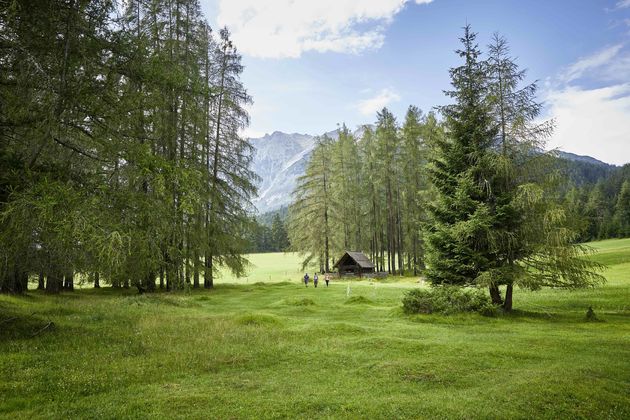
520	314
15	325
516	316
565	317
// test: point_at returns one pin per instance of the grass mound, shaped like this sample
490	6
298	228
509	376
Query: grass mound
258	319
301	302
273	284
358	300
346	328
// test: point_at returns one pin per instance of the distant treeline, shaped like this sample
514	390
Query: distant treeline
268	233
602	207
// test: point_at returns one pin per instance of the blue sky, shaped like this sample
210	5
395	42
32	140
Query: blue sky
311	64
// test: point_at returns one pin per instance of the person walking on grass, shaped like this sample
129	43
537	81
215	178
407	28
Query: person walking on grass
327	279
315	279
306	280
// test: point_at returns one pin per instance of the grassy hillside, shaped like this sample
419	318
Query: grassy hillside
282	350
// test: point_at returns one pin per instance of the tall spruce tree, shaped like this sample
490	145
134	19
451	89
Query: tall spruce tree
499	212
460	169
279	235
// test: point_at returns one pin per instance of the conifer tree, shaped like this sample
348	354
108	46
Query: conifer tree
345	191
460	170
120	128
371	205
597	212
496	215
388	177
231	179
279	238
310	214
622	210
412	162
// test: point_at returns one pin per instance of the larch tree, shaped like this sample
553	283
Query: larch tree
231	183
345	192
414	185
310	231
119	127
371	205
388	176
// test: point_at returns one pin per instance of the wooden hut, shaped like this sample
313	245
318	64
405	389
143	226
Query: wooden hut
354	263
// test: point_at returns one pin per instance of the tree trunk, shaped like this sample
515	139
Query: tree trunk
68	281
97	280
196	270
53	283
415	256
187	270
507	305
207	274
495	295
41	285
23	281
150	282
161	277
14	281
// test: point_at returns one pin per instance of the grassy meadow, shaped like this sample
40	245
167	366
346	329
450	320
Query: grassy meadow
278	349
269	268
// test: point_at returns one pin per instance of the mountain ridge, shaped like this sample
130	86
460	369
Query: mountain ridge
280	159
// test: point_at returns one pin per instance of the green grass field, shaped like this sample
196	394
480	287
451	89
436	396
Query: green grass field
281	350
269	268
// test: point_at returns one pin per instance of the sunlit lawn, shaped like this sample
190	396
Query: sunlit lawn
269	268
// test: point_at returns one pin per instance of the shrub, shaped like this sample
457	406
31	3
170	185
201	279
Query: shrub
447	300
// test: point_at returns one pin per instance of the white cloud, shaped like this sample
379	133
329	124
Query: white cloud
251	134
597	61
622	4
288	28
590	102
594	122
370	106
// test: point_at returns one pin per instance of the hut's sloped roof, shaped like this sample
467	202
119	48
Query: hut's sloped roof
359	257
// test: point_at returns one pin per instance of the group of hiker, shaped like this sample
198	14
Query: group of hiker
315	279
